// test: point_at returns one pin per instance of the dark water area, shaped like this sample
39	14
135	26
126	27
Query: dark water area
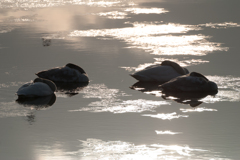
112	117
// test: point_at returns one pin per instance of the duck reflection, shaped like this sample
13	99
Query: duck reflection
70	89
189	98
30	117
146	86
37	102
46	42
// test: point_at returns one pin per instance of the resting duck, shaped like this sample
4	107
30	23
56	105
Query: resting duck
68	73
38	88
164	72
193	82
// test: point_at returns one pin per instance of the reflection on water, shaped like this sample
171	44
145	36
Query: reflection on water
193	99
203	109
69	89
38	102
23	107
11	84
180	42
23	19
139	105
229	89
5	29
166	116
167	132
146	10
113	15
224	96
124	150
54	3
30	117
101	91
227	82
124	13
98	149
15	109
110	101
53	151
151	37
10	109
156	37
120	150
46	42
221	25
146	86
139	30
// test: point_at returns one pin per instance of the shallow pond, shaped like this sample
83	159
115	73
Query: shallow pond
112	117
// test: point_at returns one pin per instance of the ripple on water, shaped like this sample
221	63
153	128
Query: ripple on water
54	3
98	149
223	25
113	15
11	109
229	89
166	116
11	84
199	109
24	107
125	150
123	14
116	106
146	10
152	38
167	132
110	101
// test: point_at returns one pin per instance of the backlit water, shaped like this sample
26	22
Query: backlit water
112	117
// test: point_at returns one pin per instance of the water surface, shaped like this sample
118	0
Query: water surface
112	117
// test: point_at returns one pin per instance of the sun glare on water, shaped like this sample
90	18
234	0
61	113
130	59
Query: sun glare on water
157	38
166	116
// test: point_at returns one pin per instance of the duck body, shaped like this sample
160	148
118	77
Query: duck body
160	73
68	73
193	82
38	88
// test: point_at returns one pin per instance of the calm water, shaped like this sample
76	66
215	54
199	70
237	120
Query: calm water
112	117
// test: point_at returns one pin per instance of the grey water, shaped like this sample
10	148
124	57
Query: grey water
112	117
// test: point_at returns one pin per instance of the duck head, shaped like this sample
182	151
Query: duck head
210	86
196	74
74	66
176	66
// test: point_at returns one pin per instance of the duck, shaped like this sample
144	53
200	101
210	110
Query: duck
68	73
163	72
193	82
38	88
